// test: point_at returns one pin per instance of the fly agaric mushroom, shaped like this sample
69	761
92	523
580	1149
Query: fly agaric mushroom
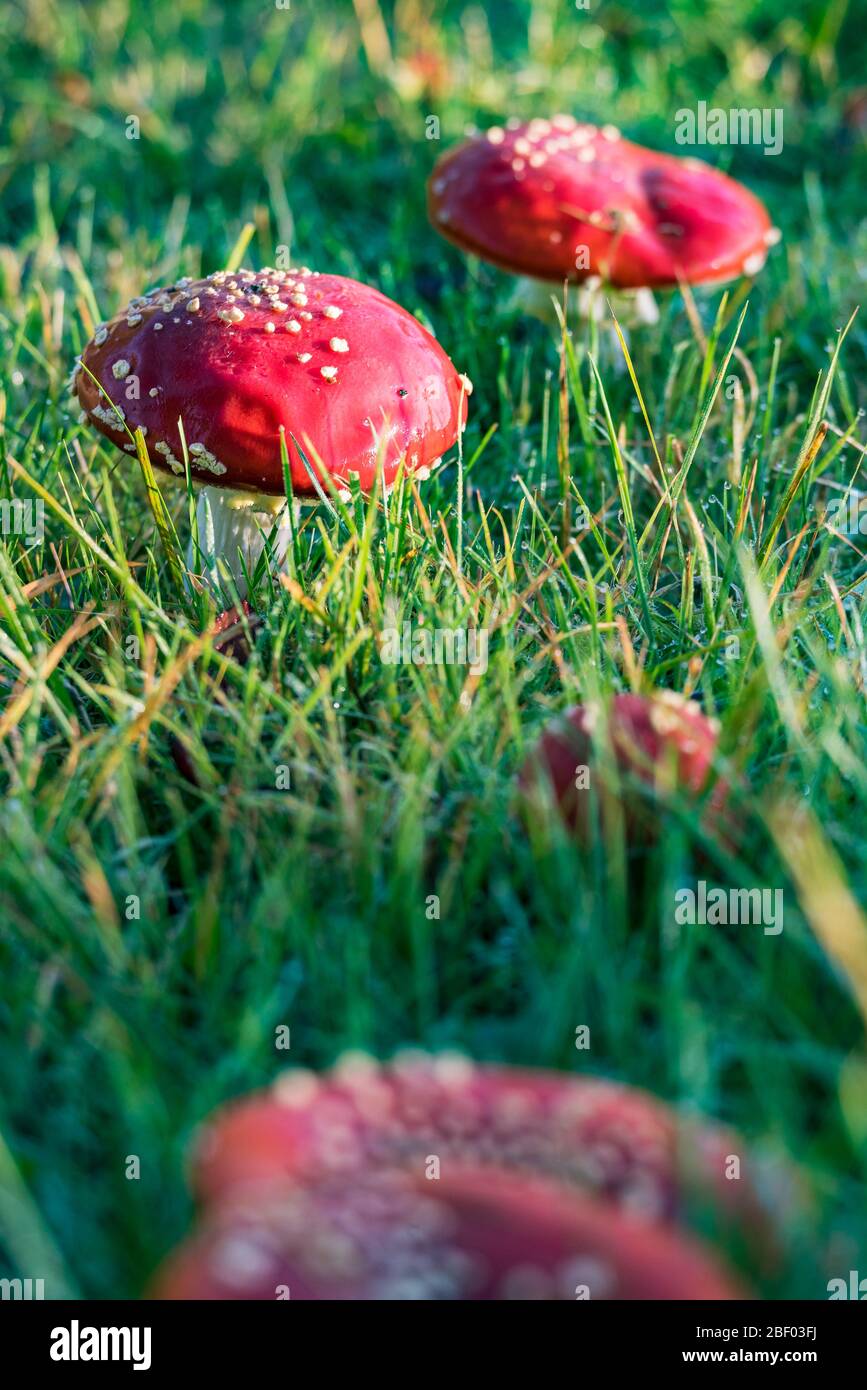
560	201
662	740
476	1234
243	360
610	1159
610	1139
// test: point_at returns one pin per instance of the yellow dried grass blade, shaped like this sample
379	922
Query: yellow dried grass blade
826	898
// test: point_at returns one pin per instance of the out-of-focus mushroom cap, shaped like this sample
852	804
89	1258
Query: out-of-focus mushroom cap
472	1234
560	200
357	381
663	740
610	1140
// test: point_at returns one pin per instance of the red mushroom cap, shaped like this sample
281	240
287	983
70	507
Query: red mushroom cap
528	196
357	381
470	1235
663	740
609	1140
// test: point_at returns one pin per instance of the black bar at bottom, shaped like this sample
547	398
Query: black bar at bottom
81	1339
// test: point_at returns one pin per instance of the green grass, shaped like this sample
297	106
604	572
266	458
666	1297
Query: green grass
309	906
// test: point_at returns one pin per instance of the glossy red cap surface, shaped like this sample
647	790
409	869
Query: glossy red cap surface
560	200
351	375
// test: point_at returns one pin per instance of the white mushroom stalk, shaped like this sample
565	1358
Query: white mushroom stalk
588	300
234	529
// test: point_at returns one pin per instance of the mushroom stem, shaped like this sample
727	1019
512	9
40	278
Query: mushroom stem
233	530
589	300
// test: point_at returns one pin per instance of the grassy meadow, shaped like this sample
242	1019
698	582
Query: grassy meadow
196	850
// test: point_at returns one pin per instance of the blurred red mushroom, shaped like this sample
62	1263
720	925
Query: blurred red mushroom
563	201
528	1153
474	1235
246	359
661	741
